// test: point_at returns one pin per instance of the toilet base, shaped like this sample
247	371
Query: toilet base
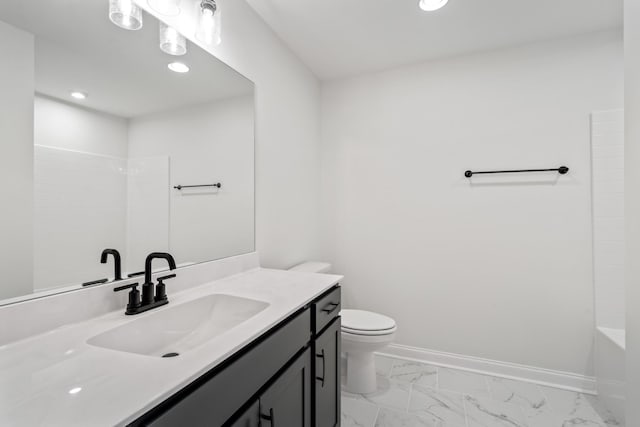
361	365
361	373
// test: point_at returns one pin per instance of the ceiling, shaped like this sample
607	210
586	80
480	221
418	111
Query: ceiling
338	38
124	72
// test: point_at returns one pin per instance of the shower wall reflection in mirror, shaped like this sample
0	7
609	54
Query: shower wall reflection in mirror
97	131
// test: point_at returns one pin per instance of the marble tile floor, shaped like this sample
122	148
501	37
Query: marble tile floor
412	394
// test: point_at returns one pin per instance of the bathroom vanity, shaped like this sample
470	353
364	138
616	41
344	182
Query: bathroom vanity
250	346
289	376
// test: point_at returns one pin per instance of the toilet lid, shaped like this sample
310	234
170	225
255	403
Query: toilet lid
360	320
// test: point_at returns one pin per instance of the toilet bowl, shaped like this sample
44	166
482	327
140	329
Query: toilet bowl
363	333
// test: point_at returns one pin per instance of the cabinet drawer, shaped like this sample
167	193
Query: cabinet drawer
326	309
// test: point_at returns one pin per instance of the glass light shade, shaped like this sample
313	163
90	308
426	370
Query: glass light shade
125	14
209	29
431	5
171	41
165	7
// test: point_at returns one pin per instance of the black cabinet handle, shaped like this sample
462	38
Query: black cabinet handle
269	417
333	305
321	356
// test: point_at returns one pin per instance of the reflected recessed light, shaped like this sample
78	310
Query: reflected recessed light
431	5
79	95
75	390
178	67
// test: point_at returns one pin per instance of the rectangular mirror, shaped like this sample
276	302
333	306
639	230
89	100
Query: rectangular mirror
102	143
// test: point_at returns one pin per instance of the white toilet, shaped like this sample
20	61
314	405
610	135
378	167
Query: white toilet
363	333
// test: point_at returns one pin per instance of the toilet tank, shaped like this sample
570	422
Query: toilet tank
312	267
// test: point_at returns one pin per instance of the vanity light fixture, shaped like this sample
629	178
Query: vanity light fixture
178	67
79	95
125	14
209	23
171	41
432	5
165	7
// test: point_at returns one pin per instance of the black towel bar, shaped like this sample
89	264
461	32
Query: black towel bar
180	187
562	170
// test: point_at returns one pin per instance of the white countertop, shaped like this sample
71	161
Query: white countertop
115	388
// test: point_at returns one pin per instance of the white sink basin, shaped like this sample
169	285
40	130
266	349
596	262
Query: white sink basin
177	329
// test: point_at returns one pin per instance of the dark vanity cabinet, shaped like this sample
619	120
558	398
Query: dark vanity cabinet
327	376
248	418
287	402
326	351
288	377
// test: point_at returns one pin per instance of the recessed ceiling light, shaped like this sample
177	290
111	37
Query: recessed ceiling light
178	67
75	390
79	95
431	5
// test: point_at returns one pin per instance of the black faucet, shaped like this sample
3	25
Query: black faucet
117	260
148	288
152	297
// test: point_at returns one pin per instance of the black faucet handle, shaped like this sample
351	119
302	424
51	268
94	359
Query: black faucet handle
134	297
161	289
132	286
95	282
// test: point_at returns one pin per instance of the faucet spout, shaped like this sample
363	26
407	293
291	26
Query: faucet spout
157	255
117	259
147	287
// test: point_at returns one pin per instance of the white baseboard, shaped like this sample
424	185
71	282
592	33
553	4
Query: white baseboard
546	377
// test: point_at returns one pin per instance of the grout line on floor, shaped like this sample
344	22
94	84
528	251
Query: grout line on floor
466	412
375	420
409	400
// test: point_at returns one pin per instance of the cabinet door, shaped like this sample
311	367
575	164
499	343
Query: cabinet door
327	376
250	418
287	402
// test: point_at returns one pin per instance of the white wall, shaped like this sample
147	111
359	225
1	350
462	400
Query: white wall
499	267
287	150
148	210
80	192
205	144
16	162
632	205
72	127
80	209
607	154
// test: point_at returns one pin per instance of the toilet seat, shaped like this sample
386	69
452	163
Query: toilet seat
368	333
366	323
